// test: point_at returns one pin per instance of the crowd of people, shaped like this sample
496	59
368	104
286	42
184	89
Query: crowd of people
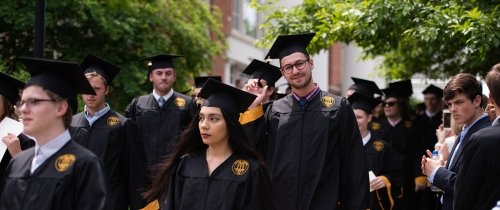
251	148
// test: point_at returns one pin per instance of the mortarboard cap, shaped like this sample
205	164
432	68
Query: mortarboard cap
365	87
288	44
9	88
262	70
434	90
66	79
200	81
92	63
231	99
363	102
160	61
399	89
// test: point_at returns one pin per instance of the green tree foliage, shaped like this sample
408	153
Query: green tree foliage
120	31
438	38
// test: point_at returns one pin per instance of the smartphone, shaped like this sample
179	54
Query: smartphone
446	118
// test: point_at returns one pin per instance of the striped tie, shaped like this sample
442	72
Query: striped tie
161	101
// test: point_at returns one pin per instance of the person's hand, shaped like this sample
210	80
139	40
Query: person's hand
442	133
13	144
253	87
377	183
429	164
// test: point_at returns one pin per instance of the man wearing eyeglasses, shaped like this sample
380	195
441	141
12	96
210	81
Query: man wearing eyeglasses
310	139
57	173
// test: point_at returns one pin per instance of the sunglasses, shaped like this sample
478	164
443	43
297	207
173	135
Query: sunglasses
391	103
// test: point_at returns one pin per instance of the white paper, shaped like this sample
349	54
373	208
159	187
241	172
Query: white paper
371	176
8	125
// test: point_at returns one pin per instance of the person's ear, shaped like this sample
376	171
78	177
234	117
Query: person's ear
62	107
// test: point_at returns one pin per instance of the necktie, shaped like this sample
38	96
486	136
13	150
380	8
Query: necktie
37	160
303	102
161	101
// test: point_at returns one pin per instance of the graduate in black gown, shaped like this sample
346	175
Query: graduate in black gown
431	118
381	158
404	133
162	115
263	74
367	88
213	166
102	131
310	139
9	95
57	173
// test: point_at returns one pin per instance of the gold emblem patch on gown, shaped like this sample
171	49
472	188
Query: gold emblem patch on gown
113	120
378	145
408	124
375	126
328	101
180	102
240	167
65	161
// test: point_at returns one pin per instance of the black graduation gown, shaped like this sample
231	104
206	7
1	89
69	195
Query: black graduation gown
477	185
25	143
314	155
158	127
72	178
106	139
406	139
238	183
383	160
430	125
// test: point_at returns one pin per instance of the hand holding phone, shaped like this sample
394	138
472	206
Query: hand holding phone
446	119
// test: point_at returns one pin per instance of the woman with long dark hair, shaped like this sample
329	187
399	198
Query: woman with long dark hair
213	166
9	95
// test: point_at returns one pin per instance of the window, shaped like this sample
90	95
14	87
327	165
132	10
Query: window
237	77
245	19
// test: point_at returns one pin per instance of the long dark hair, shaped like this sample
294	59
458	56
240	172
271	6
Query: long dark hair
9	110
190	141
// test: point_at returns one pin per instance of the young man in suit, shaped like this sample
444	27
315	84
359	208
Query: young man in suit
463	95
476	187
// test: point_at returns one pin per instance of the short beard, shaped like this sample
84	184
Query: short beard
308	81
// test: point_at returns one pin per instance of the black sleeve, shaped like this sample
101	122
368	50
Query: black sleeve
130	110
354	185
93	185
261	194
135	164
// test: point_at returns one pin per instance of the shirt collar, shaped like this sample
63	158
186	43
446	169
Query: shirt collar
430	114
466	128
366	138
395	122
309	95
166	97
52	146
97	115
496	122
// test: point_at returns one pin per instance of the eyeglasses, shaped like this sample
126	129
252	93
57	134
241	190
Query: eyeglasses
300	64
33	102
391	103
